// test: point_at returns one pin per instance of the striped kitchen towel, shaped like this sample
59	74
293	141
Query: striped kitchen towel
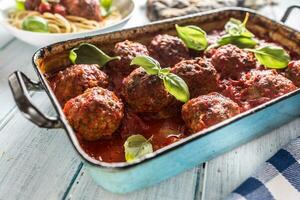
277	179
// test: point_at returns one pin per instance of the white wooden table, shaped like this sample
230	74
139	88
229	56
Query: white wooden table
40	164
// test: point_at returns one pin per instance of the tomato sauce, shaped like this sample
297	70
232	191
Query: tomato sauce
160	132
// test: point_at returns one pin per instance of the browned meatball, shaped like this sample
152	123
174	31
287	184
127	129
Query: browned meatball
292	72
127	50
206	110
230	61
199	75
32	4
75	79
89	9
259	86
95	114
168	50
145	93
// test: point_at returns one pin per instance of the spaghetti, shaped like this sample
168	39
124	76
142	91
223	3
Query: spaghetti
62	24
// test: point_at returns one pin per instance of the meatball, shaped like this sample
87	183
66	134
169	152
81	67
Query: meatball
259	86
292	72
127	50
168	50
145	93
89	9
199	75
95	114
230	61
75	79
206	110
32	4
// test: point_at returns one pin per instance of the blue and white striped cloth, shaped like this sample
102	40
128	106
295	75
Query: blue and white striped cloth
277	179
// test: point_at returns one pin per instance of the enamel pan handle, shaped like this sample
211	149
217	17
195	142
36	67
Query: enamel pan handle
288	12
20	86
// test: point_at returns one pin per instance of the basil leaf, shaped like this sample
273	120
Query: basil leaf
150	65
20	4
164	71
106	4
87	53
240	41
272	57
173	83
177	87
136	146
237	28
35	24
192	36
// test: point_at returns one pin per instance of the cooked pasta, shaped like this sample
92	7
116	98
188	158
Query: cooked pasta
62	24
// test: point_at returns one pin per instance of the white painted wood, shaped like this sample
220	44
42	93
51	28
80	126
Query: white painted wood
17	55
35	163
226	172
5	37
176	188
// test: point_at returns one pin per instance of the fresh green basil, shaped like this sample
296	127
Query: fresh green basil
239	41
238	34
272	57
235	27
137	146
105	7
173	83
106	4
87	53
35	24
150	65
164	71
177	87
20	4
192	36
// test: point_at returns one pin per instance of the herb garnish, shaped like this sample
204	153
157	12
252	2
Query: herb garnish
105	7
238	34
87	53
192	36
137	146
238	28
35	24
271	56
173	83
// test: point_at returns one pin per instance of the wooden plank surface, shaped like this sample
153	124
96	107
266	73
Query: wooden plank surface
177	188
16	55
35	163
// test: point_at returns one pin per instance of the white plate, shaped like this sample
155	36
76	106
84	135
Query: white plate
125	7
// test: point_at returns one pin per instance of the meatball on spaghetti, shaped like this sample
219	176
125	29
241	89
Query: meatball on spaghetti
199	75
75	79
207	110
127	50
168	50
230	61
145	93
95	114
